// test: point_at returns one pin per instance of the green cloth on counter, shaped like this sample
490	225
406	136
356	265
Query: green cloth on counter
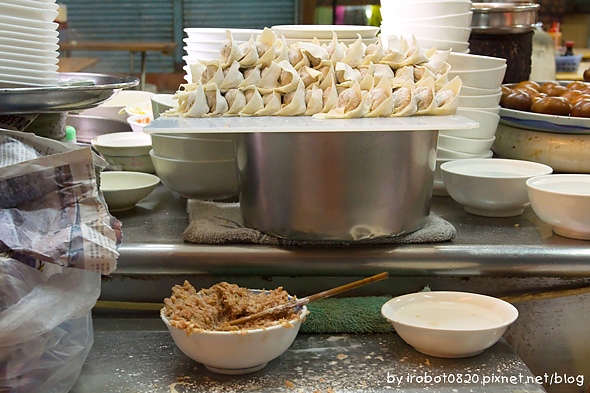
353	315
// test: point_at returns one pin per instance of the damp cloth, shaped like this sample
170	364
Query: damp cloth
222	223
347	315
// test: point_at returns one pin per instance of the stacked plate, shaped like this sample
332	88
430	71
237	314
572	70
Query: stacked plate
479	100
444	24
346	34
205	43
28	43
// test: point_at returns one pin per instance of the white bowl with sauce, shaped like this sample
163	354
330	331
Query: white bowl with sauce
449	324
491	187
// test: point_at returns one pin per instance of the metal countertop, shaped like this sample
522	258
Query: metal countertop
138	355
521	246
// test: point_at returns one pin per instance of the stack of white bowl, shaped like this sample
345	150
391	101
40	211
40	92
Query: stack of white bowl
204	43
347	34
444	24
197	166
479	100
28	43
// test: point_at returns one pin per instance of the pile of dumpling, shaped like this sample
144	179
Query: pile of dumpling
267	77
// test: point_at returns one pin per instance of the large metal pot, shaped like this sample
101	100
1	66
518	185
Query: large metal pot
343	186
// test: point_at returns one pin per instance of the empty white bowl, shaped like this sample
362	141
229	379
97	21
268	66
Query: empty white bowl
487	119
236	352
480	101
445	33
206	180
485	78
454	20
476	91
202	54
465	145
455	46
423	9
125	151
447	154
468	61
562	201
192	147
449	324
123	190
491	187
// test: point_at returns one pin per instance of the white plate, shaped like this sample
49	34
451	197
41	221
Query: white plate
325	31
27	51
17	71
7	32
42	5
30	65
28	44
25	25
31	13
31	81
7	53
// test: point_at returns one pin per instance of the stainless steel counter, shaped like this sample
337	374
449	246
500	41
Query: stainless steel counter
521	246
127	357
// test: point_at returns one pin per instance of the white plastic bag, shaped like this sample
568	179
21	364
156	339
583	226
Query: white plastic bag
45	326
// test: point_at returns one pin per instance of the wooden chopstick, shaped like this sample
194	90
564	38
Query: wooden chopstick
310	298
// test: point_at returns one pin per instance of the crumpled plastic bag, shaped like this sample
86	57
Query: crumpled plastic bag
45	326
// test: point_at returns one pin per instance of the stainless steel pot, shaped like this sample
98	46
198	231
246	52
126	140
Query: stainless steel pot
344	186
502	17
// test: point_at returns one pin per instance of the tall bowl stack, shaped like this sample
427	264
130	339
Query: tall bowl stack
479	100
28	44
444	24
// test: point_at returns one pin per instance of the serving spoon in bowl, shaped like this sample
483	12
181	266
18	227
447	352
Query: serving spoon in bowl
310	298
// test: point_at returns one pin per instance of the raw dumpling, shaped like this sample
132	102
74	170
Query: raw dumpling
269	78
236	101
230	51
424	96
447	98
211	73
254	102
193	104
374	52
380	99
314	100
215	100
288	78
310	76
232	78
250	51
335	49
403	100
351	104
355	53
272	104
293	102
330	97
314	53
346	75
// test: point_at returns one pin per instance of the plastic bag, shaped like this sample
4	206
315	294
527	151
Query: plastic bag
45	326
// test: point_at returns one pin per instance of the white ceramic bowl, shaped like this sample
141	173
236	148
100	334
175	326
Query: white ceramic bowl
206	180
438	187
447	154
468	61
192	147
125	144
325	31
488	123
236	352
125	151
423	9
465	145
202	54
138	122
476	91
562	201
491	187
455	46
445	33
161	103
114	107
480	101
484	78
449	324
454	20
122	190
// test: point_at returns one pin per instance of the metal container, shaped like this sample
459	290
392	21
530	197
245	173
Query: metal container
501	17
342	186
89	127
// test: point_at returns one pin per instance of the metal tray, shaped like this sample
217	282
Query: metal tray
64	97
